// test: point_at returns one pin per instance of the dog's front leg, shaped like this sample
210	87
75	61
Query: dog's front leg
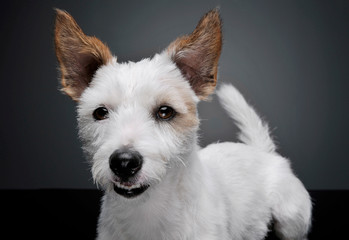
108	227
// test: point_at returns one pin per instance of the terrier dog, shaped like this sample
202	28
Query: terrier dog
138	123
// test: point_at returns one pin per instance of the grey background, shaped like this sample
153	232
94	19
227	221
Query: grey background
289	58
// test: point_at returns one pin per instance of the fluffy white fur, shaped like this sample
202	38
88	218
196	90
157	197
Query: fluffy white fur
224	191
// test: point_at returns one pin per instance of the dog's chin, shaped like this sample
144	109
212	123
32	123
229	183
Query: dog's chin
130	191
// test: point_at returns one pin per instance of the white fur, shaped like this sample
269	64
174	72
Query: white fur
253	131
224	191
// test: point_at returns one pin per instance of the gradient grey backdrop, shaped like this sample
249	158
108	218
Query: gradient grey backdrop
289	58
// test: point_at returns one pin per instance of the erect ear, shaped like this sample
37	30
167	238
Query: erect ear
79	56
197	54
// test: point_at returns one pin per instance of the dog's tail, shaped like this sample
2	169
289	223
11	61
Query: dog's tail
254	131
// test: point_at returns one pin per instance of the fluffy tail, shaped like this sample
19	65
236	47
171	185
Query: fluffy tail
254	131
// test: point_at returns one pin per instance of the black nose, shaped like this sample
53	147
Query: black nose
125	163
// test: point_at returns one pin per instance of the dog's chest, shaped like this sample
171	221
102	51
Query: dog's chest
159	220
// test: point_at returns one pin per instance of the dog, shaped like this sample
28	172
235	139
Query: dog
138	123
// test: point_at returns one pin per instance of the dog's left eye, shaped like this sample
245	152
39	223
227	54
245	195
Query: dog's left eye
100	113
165	113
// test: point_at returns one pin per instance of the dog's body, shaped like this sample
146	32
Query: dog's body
139	123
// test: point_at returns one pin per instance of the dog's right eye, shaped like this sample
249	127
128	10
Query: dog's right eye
100	113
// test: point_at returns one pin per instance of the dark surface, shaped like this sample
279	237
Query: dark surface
73	214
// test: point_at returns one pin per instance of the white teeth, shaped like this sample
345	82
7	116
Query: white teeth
119	185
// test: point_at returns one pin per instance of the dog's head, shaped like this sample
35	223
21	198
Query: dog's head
137	120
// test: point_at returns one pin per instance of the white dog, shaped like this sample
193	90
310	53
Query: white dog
138	123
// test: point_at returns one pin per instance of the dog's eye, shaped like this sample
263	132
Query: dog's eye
100	113
165	113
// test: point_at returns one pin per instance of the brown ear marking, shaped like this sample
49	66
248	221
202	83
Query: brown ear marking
79	56
197	54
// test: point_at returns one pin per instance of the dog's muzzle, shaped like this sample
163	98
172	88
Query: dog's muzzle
125	164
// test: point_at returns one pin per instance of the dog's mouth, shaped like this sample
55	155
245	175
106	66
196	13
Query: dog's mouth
129	190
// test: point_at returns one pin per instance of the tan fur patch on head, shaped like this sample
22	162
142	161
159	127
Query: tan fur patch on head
188	121
197	54
79	56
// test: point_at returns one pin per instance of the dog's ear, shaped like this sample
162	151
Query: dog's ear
79	56
197	54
